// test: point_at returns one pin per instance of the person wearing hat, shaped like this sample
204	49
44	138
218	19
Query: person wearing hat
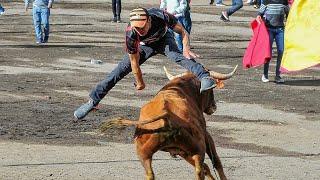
147	34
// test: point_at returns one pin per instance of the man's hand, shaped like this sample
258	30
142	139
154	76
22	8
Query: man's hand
189	54
139	86
134	59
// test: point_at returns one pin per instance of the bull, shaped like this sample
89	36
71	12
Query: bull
173	121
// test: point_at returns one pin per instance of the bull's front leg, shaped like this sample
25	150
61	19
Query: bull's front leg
198	164
212	153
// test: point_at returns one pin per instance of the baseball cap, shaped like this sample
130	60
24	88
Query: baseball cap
138	17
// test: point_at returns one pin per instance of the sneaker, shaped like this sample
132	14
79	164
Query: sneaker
278	80
207	83
264	79
119	20
220	5
114	19
224	16
84	109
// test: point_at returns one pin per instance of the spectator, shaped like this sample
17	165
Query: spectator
1	10
41	13
273	13
116	10
181	10
146	36
236	5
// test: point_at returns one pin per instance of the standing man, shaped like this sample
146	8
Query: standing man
236	5
147	34
40	14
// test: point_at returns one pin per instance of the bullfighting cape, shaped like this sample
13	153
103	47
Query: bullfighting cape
302	36
258	51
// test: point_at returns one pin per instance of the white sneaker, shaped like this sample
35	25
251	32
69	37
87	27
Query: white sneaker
264	79
220	5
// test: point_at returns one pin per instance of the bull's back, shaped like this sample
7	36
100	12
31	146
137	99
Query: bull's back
181	111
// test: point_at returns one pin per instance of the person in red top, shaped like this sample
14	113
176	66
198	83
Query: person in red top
148	34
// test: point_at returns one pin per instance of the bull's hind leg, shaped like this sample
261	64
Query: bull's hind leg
206	169
146	146
212	153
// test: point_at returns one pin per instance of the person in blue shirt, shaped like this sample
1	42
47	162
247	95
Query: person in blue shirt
273	13
40	14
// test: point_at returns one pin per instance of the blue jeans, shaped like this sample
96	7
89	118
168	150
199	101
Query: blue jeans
236	5
1	9
41	18
278	35
187	24
166	46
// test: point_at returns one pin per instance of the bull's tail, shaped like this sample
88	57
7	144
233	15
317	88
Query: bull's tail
120	122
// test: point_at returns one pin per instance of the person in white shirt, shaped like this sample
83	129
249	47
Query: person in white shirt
181	10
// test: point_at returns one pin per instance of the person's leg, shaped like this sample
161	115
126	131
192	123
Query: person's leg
104	86
36	13
178	37
123	68
279	37
114	10
45	13
187	22
118	9
266	65
172	52
236	5
1	10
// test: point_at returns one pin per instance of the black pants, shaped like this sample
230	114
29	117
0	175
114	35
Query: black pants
116	8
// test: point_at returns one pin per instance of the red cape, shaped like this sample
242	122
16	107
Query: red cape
258	50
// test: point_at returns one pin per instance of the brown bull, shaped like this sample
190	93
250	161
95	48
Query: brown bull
173	121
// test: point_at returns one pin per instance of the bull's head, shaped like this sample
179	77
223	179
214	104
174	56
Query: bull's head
208	103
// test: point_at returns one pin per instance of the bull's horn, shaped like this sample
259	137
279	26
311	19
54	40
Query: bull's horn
170	76
221	76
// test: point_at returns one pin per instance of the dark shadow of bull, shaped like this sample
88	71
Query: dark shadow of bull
173	121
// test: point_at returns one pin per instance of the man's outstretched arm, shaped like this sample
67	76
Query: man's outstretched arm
134	59
178	28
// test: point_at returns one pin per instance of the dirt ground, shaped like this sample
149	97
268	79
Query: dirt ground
262	130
